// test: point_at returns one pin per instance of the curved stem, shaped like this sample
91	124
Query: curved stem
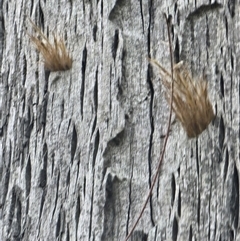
166	137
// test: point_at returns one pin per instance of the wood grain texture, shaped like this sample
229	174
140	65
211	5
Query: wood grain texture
78	149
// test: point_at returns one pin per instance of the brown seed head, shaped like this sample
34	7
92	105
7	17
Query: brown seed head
56	57
191	104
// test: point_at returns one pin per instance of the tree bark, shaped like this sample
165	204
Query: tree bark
79	148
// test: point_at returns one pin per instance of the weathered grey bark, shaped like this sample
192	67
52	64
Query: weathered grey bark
78	148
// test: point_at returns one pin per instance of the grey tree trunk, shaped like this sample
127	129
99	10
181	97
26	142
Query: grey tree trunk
78	149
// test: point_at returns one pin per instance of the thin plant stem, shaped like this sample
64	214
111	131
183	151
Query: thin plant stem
168	21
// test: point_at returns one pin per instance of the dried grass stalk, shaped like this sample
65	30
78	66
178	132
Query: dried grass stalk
56	57
191	104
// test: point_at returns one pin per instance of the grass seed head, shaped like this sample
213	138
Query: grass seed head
55	55
191	103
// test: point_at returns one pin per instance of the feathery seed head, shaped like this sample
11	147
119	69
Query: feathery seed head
56	57
191	103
